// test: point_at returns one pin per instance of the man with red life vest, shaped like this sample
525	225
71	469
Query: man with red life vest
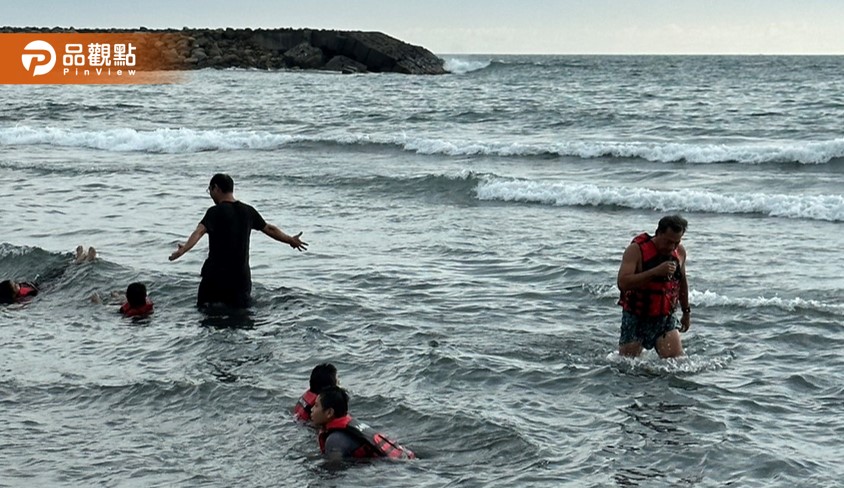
652	280
226	275
322	376
11	291
343	437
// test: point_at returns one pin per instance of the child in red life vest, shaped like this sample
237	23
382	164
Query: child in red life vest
12	292
137	302
322	376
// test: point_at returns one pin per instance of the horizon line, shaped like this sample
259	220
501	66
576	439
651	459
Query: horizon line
638	54
747	54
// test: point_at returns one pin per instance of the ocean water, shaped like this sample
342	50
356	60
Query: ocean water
465	232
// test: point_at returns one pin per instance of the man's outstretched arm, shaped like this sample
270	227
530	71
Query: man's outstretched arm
292	241
192	240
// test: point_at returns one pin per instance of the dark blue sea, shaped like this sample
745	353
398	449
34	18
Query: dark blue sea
465	233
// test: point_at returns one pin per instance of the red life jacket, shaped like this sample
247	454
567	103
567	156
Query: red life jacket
26	290
658	297
128	311
303	407
375	444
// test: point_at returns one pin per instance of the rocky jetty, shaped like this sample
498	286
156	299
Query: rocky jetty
333	50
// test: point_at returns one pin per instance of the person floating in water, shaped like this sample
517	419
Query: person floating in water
226	276
136	302
12	291
343	437
652	281
83	256
322	376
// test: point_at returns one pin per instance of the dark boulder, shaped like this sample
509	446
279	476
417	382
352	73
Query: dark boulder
344	65
305	56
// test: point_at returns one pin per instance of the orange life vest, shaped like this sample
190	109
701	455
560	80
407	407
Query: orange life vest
658	297
130	311
375	444
304	406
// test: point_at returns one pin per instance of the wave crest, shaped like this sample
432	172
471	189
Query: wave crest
811	207
460	66
185	140
711	299
155	141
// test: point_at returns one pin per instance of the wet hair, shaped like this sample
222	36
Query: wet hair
673	222
7	294
222	181
335	398
323	375
136	295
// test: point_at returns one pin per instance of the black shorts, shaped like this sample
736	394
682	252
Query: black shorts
645	331
231	293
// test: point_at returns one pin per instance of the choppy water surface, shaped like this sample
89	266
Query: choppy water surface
465	235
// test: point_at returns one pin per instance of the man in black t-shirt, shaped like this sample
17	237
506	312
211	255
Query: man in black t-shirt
226	276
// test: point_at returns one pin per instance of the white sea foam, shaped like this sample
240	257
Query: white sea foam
711	299
805	152
186	140
811	207
462	66
650	363
156	141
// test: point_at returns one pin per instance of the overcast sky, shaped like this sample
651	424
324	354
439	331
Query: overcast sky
491	26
